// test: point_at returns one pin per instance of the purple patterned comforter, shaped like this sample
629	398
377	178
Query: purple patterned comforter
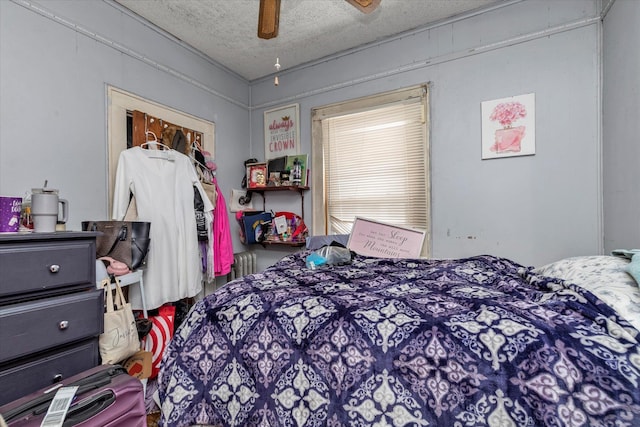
381	342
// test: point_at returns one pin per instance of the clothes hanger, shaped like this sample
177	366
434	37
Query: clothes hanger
160	150
204	172
154	143
198	164
206	176
196	142
196	146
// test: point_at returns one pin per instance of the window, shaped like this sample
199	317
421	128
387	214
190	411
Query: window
371	160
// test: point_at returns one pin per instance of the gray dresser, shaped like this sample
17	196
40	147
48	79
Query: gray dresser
50	311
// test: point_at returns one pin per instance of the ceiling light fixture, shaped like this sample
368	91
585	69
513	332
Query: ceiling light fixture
276	82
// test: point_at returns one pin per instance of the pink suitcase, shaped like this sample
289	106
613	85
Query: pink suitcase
107	397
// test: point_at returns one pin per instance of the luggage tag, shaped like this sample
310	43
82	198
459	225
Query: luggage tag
139	365
59	406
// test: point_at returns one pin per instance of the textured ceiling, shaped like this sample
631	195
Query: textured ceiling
226	30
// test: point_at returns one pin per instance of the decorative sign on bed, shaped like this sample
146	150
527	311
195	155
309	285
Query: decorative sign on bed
373	238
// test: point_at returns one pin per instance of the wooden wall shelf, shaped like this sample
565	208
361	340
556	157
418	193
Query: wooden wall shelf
279	243
262	190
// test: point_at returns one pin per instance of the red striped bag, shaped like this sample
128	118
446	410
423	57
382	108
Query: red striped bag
160	335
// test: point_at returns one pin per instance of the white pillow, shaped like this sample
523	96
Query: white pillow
605	277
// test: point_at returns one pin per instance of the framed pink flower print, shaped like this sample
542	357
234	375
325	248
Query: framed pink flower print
508	127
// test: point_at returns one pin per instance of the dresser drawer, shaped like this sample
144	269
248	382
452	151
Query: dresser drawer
48	265
38	325
20	380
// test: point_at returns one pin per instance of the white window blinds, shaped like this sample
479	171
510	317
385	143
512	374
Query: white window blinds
376	164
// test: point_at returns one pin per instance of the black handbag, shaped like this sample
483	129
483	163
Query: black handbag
125	241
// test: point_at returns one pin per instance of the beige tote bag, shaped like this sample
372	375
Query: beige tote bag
120	337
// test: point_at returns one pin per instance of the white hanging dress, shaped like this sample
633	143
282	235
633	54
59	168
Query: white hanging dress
163	190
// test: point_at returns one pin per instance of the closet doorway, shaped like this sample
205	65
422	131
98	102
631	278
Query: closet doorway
121	105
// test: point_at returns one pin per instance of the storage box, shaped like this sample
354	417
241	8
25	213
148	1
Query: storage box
253	226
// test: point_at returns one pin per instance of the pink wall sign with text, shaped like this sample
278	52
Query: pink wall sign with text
281	132
373	238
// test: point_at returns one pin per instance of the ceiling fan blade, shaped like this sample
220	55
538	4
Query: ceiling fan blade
268	19
364	6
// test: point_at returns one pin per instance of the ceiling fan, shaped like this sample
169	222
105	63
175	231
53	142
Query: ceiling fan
269	15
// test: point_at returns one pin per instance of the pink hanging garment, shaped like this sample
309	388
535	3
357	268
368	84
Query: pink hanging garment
222	244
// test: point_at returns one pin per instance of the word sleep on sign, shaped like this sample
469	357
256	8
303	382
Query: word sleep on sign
373	238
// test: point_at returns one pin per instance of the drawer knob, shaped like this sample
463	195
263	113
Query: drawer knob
57	378
54	268
64	324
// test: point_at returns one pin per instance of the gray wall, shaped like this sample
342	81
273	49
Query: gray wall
532	209
621	126
54	71
56	60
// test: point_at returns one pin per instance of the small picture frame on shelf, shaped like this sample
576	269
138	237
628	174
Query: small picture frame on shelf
281	224
274	179
257	175
284	178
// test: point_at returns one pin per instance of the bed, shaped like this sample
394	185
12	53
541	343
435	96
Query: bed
384	342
